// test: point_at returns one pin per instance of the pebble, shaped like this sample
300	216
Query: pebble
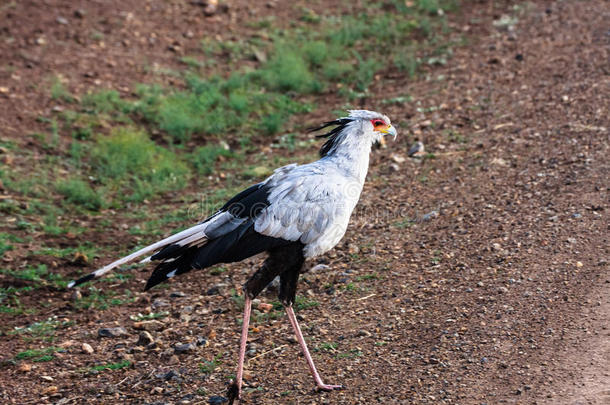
158	303
170	375
363	333
112	332
25	367
152	325
213	291
430	215
86	348
177	294
416	150
502	290
319	267
183	348
62	20
394	168
217	400
398	159
50	390
264	307
145	339
76	295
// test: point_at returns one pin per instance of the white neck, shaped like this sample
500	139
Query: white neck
351	153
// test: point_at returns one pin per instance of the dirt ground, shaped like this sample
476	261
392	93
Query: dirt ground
478	276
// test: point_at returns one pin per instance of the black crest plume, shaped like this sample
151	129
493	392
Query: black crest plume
340	123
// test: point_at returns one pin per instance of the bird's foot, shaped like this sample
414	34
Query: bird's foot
233	393
327	387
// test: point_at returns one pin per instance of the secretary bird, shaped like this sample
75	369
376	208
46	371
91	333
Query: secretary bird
299	212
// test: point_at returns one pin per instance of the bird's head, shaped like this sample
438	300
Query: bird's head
360	127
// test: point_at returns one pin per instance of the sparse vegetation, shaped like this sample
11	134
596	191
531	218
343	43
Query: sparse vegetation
208	366
38	355
112	366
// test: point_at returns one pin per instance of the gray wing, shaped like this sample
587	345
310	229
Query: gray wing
311	204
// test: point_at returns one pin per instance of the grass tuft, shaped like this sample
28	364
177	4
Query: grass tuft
79	192
130	160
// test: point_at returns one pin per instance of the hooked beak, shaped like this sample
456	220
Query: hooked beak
390	130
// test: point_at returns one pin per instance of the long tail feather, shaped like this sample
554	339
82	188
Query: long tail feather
189	235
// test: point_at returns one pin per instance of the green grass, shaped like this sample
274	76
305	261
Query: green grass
79	192
204	158
327	347
147	317
128	162
5	242
44	330
95	298
38	355
59	91
208	366
112	366
38	276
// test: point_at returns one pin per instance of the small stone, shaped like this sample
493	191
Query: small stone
260	55
158	303
502	290
50	390
319	267
213	291
76	295
363	333
264	307
579	264
217	400
170	375
79	13
430	215
145	339
62	20
156	390
183	348
177	294
353	249
112	332
210	9
394	168
25	367
80	259
201	341
86	348
152	325
416	150
398	159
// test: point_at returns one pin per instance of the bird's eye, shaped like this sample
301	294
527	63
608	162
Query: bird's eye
378	123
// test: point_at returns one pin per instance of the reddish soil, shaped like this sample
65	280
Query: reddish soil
501	296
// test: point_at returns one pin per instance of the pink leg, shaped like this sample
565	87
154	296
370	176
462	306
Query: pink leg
312	367
235	389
